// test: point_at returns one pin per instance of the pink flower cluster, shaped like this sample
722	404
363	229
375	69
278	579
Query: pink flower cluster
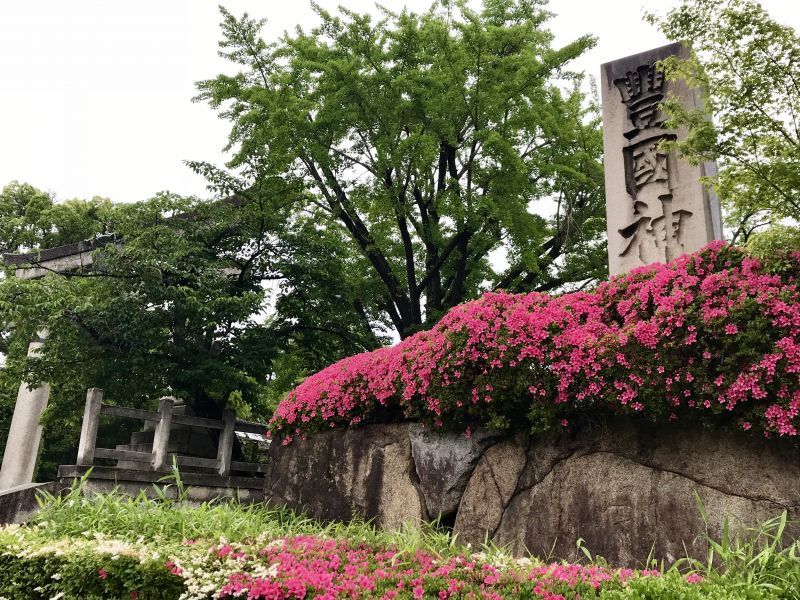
313	567
715	334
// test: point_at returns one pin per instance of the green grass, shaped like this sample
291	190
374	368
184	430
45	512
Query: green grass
173	520
759	558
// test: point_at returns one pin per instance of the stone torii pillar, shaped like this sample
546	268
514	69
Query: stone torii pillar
656	206
25	432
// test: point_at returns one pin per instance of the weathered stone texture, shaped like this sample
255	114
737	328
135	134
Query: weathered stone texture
339	474
489	490
197	487
19	503
444	463
627	488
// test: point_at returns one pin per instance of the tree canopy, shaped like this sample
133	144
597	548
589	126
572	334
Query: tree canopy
177	307
749	65
422	143
173	310
30	218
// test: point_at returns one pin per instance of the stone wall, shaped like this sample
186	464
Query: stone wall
198	487
627	488
17	504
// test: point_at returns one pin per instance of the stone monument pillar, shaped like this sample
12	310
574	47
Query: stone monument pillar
656	207
22	445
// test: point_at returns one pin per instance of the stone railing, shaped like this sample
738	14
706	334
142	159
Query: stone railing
160	458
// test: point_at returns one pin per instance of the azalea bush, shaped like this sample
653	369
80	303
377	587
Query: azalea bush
91	568
711	336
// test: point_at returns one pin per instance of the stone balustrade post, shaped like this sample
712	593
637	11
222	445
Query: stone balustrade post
91	420
226	437
161	436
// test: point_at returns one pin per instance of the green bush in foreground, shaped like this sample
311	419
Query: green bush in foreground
110	546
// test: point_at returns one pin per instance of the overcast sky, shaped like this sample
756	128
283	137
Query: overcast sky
95	96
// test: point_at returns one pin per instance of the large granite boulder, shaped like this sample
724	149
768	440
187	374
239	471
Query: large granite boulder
490	489
367	472
389	473
627	488
444	463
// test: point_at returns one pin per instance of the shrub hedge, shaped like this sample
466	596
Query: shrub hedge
712	336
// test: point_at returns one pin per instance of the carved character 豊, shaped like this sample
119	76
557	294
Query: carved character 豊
642	91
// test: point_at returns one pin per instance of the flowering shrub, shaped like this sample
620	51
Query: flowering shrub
714	335
92	567
329	568
292	567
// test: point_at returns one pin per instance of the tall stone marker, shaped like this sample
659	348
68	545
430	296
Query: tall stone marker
657	208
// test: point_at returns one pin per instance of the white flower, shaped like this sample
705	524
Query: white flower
524	562
479	556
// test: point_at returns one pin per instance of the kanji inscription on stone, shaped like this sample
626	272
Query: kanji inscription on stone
657	208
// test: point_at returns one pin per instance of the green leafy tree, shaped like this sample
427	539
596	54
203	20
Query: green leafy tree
416	145
178	307
773	242
167	311
749	65
30	219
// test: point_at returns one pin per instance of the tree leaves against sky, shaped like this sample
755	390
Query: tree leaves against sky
749	65
424	142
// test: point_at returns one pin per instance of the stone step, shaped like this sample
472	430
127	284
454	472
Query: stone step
142	437
135	447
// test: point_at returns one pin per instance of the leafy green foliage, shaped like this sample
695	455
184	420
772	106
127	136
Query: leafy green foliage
774	241
756	557
177	308
421	143
750	66
169	312
30	219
